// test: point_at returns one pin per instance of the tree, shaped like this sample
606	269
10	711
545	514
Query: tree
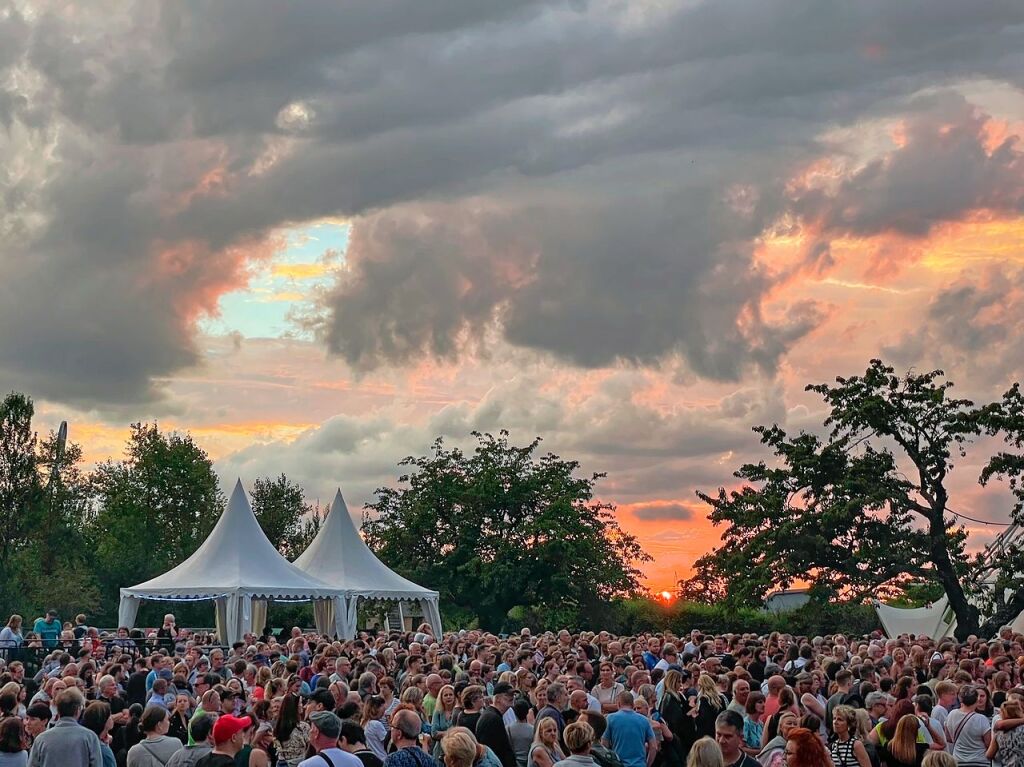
865	509
20	486
501	528
152	509
287	520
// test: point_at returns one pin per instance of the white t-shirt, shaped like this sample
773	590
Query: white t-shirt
968	739
336	755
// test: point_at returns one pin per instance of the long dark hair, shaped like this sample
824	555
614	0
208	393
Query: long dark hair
12	736
288	718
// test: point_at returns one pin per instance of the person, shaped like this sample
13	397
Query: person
376	732
729	737
673	713
805	749
520	732
1007	745
938	759
709	704
324	733
353	740
773	753
405	732
443	717
905	749
10	635
753	723
846	749
37	719
578	739
167	633
179	718
472	704
968	731
607	690
13	743
228	738
558	697
490	727
67	742
48	629
291	734
157	746
261	746
630	735
202	734
705	753
461	749
97	718
603	755
545	750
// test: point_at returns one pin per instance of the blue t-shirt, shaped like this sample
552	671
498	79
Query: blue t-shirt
49	632
628	734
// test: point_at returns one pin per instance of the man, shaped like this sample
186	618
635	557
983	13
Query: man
490	727
630	735
342	670
434	685
844	680
67	743
774	686
320	700
323	737
946	692
48	628
557	699
877	705
740	693
37	719
669	657
653	653
201	731
972	730
729	737
600	753
578	739
405	733
228	739
520	732
208	704
353	741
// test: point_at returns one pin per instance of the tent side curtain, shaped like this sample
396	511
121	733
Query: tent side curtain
128	610
932	621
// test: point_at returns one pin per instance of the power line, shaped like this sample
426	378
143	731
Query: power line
979	521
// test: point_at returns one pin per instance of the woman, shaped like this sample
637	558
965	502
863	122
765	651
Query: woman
985	705
291	734
10	635
1008	743
846	748
753	723
970	732
708	704
772	754
373	726
674	715
472	705
904	749
705	753
443	718
388	689
262	753
156	747
805	749
179	718
462	749
98	719
13	743
545	750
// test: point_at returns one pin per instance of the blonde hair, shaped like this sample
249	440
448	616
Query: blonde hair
705	753
578	736
459	746
440	697
938	759
903	745
707	688
537	741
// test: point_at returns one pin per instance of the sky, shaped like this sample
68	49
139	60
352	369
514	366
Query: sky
319	235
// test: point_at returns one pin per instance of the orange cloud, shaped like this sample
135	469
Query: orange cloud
299	271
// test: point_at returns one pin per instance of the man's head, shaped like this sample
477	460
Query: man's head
740	691
37	718
579	736
201	728
729	734
51	616
319	700
504	694
434	684
229	733
405	727
556	695
578	700
353	738
326	729
70	703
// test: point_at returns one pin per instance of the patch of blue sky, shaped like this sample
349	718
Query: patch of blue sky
284	286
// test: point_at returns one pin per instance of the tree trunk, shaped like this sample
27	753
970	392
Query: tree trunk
967	616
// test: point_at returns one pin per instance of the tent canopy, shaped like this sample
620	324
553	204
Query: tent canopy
339	556
235	565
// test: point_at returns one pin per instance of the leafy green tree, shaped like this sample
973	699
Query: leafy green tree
152	509
502	527
287	520
20	487
862	511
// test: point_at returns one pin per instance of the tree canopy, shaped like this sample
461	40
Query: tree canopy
503	527
287	520
865	510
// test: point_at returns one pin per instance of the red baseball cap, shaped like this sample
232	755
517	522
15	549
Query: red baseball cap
227	726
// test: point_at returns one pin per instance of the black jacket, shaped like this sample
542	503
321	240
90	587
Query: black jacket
491	732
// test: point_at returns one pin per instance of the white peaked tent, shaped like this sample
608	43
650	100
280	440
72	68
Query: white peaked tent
339	556
237	568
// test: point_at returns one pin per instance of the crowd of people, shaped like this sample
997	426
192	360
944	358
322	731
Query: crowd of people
475	699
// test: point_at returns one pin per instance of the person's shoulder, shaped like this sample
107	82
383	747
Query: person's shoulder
748	761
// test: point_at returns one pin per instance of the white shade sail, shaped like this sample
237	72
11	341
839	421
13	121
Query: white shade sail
338	556
235	565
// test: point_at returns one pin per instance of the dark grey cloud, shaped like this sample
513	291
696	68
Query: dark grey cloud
667	512
585	179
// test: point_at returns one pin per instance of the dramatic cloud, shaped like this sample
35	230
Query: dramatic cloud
663	512
587	179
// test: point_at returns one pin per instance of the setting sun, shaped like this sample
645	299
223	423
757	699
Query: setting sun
666	595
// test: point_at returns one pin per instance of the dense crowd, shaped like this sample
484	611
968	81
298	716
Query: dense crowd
472	699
